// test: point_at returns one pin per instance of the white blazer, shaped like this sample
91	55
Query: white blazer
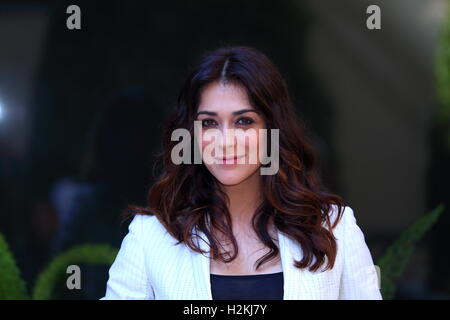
150	266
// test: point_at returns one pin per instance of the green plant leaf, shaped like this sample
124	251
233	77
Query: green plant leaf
56	270
393	262
442	79
12	286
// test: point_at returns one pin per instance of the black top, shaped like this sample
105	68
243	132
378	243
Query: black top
268	286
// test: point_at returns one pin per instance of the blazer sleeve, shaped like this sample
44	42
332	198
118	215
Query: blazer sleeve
359	280
127	275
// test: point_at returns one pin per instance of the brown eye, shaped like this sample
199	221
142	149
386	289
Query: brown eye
245	121
208	123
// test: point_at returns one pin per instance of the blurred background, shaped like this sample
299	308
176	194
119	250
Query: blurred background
81	115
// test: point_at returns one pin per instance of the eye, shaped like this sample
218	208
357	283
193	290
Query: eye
245	121
208	122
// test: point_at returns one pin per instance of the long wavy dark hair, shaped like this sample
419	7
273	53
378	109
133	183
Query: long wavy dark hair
295	200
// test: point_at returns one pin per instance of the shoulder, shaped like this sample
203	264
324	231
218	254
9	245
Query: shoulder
150	231
142	224
345	217
347	228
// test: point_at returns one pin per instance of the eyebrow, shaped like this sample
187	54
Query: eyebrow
238	112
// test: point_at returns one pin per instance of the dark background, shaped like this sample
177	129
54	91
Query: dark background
81	114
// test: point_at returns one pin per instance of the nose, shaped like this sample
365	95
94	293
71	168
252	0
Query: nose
227	141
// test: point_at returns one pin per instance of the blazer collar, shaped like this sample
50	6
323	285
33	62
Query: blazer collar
297	283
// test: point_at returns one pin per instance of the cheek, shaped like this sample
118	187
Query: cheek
203	143
252	145
207	149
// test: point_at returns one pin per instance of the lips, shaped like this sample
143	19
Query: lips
230	159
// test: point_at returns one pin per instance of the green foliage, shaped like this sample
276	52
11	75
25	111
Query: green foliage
393	262
56	270
12	287
442	74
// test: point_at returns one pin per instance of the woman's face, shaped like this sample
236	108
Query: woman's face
223	107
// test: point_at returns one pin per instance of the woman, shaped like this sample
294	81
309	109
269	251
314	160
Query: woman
223	229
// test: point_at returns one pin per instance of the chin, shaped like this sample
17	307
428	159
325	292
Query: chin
229	181
235	176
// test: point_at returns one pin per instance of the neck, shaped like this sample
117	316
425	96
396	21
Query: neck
244	198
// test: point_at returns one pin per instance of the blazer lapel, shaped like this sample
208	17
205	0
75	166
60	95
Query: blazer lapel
201	270
298	284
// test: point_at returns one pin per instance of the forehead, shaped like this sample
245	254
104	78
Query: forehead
218	97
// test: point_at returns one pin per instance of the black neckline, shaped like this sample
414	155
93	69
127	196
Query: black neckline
244	276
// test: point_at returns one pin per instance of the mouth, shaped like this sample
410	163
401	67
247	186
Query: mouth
229	160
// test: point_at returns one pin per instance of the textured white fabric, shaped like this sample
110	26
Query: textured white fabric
150	266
